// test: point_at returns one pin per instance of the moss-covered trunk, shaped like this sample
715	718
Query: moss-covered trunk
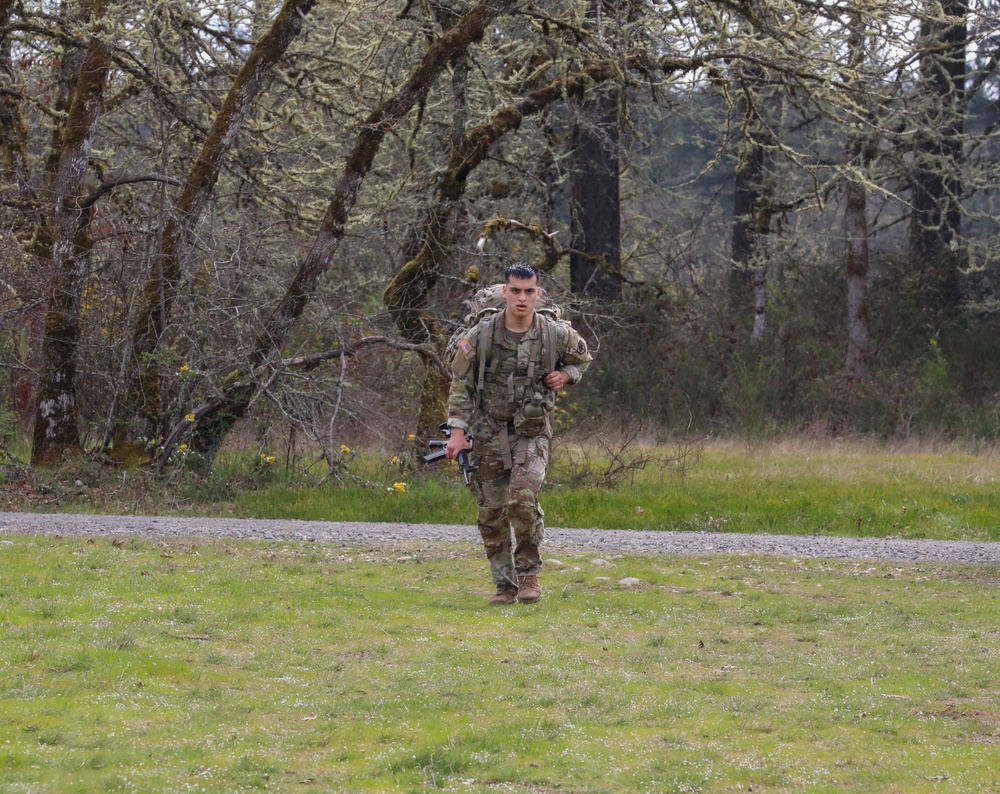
57	429
13	133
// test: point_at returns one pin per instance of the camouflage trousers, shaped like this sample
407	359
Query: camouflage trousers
508	503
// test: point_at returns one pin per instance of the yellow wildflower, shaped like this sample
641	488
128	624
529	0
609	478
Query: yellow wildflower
182	447
184	368
345	450
399	487
190	417
395	460
411	437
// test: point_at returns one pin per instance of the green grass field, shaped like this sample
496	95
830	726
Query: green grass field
142	666
215	666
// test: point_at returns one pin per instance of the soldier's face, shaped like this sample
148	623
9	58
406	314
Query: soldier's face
521	295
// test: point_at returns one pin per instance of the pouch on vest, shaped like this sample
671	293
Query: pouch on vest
529	420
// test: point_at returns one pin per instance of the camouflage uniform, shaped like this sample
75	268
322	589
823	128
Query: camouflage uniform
511	466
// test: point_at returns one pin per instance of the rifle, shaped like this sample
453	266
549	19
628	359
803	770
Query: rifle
438	446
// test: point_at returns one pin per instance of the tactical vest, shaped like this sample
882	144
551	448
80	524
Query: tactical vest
503	383
509	390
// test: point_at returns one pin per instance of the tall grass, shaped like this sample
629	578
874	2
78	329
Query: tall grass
788	487
785	488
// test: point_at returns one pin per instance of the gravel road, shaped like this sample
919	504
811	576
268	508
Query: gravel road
579	540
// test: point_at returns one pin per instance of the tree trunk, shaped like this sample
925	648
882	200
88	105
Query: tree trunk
595	257
746	198
856	226
57	430
161	288
856	223
752	204
935	224
69	62
13	133
759	301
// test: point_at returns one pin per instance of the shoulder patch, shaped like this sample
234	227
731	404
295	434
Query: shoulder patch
466	347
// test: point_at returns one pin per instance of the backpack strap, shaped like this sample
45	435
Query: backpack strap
485	344
549	343
534	353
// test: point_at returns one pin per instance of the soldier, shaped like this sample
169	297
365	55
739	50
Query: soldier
507	369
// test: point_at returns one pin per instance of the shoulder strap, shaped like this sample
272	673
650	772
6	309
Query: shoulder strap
549	343
485	344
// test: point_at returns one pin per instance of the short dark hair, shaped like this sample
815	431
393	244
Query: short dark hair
521	270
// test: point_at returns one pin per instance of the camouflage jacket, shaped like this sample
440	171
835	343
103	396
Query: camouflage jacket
514	370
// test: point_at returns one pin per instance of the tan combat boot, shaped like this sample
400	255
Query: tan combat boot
503	595
529	591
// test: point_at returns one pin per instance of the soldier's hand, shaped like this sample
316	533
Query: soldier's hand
456	443
556	380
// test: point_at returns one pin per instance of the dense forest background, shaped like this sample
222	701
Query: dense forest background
260	219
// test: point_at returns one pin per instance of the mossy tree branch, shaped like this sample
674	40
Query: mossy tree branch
163	283
230	406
